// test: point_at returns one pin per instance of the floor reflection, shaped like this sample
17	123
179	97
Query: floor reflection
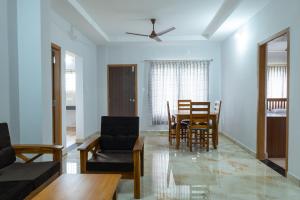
228	173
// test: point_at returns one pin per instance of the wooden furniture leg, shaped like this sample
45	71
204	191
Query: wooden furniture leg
137	174
178	127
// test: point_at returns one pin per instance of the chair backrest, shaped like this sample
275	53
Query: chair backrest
171	119
199	114
7	153
169	116
119	133
217	109
184	104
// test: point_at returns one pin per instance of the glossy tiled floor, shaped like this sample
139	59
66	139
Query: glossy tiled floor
228	173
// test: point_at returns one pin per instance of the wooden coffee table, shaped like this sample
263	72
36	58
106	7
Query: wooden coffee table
81	187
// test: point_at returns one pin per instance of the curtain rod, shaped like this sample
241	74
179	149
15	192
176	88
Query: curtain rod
210	60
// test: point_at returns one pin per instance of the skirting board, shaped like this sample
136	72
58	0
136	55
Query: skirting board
293	179
252	153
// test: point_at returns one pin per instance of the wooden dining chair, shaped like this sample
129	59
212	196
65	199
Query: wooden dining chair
184	104
198	132
172	124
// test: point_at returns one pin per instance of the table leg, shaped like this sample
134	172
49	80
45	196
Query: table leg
215	134
115	196
178	127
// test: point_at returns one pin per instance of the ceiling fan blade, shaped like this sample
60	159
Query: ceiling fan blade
157	39
166	31
137	34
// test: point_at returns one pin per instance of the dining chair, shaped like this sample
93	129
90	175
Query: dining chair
172	124
198	132
184	104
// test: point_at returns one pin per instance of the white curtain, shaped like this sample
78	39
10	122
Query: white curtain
173	80
277	81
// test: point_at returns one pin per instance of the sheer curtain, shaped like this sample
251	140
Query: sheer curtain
173	80
277	81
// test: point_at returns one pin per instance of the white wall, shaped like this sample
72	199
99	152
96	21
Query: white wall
14	123
136	53
87	51
240	76
30	70
277	57
4	65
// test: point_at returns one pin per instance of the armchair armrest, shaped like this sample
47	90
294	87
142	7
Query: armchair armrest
139	144
36	148
89	144
39	149
92	145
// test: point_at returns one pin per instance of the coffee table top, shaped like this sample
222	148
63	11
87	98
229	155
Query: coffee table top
81	186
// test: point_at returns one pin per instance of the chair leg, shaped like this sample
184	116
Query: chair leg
137	174
190	141
207	140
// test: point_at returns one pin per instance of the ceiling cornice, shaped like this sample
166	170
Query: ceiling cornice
88	18
223	13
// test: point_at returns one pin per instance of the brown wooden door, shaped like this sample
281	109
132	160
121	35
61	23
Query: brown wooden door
56	95
122	93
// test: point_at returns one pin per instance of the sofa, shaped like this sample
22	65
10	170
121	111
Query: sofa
22	178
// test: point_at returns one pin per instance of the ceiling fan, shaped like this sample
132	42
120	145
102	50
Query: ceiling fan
154	35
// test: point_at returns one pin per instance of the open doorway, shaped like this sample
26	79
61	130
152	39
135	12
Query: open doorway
272	135
70	87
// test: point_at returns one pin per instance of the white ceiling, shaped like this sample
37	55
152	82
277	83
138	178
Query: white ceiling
110	19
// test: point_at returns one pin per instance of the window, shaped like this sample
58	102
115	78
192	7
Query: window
277	81
173	80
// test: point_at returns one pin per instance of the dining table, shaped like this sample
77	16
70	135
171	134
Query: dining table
185	114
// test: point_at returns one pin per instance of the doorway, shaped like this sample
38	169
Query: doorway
56	94
122	90
273	109
70	88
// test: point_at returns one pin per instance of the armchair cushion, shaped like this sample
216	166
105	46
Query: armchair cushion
15	190
7	153
36	172
119	133
109	161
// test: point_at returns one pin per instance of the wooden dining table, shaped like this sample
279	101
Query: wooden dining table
185	114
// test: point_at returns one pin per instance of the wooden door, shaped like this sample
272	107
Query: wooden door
122	85
56	95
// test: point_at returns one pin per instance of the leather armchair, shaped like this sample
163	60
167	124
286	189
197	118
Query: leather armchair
119	150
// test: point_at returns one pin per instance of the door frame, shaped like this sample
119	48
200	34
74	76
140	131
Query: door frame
135	87
261	114
58	100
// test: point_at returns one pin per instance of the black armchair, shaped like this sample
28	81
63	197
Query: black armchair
119	150
19	180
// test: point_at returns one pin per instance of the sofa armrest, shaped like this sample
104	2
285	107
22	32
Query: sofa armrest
91	145
139	144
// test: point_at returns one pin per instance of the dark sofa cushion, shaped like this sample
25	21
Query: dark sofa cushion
15	190
119	133
37	172
7	156
7	153
111	162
